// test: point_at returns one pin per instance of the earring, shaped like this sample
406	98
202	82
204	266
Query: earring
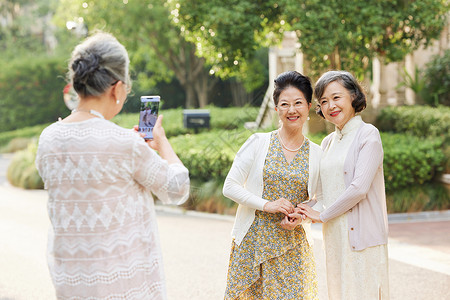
118	101
307	119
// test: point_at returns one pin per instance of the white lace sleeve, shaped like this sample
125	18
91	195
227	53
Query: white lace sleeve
169	182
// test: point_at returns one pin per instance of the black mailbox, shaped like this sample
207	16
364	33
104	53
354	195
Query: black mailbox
196	118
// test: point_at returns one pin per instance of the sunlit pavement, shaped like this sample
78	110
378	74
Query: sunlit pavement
196	250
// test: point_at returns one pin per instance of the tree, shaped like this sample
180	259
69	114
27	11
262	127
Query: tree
348	34
25	28
334	34
229	35
157	50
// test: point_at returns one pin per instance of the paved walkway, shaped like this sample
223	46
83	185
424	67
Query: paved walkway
196	249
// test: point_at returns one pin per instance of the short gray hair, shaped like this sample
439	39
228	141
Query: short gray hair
97	63
348	82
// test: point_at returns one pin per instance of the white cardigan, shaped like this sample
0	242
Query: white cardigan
244	182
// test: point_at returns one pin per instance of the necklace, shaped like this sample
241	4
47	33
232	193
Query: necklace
90	111
284	146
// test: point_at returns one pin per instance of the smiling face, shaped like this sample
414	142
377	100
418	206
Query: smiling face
336	104
292	108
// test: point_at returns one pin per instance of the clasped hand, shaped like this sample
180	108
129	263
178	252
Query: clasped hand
301	212
292	215
292	220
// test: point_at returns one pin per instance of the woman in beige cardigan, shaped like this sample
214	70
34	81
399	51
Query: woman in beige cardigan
351	171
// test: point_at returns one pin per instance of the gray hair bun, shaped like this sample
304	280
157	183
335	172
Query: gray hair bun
97	63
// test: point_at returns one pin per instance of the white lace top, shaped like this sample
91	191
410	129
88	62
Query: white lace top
103	243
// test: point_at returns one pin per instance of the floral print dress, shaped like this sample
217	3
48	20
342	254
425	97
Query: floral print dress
271	262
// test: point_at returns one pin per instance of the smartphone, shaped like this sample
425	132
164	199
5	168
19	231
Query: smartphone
148	115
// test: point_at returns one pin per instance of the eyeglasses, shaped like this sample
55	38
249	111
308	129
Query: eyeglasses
287	106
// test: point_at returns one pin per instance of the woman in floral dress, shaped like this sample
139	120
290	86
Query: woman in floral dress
271	257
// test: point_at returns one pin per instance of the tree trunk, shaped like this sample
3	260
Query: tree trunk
203	86
191	73
190	97
239	94
335	59
202	90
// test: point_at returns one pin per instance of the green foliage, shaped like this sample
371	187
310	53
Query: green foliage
157	50
209	155
208	197
332	34
363	29
447	157
420	121
16	144
437	76
415	82
26	132
20	34
415	198
228	33
410	160
22	171
31	92
221	118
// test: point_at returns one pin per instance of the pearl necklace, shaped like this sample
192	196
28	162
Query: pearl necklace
284	146
91	111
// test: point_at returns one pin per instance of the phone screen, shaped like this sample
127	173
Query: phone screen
148	115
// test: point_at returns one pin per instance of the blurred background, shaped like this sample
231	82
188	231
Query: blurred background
222	55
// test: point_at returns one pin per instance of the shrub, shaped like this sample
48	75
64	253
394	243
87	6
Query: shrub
429	196
410	160
22	171
209	155
208	197
447	159
437	80
420	121
221	118
26	133
31	92
16	144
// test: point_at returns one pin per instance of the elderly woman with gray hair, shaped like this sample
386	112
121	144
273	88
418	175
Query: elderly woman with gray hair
354	217
100	177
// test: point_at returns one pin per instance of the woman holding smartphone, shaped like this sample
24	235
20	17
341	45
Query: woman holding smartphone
103	243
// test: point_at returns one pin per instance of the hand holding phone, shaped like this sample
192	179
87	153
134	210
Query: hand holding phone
148	115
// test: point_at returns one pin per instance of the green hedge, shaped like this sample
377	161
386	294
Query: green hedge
209	155
414	198
26	132
221	118
409	160
207	196
31	92
420	121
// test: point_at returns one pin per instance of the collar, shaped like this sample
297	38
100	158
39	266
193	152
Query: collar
352	125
